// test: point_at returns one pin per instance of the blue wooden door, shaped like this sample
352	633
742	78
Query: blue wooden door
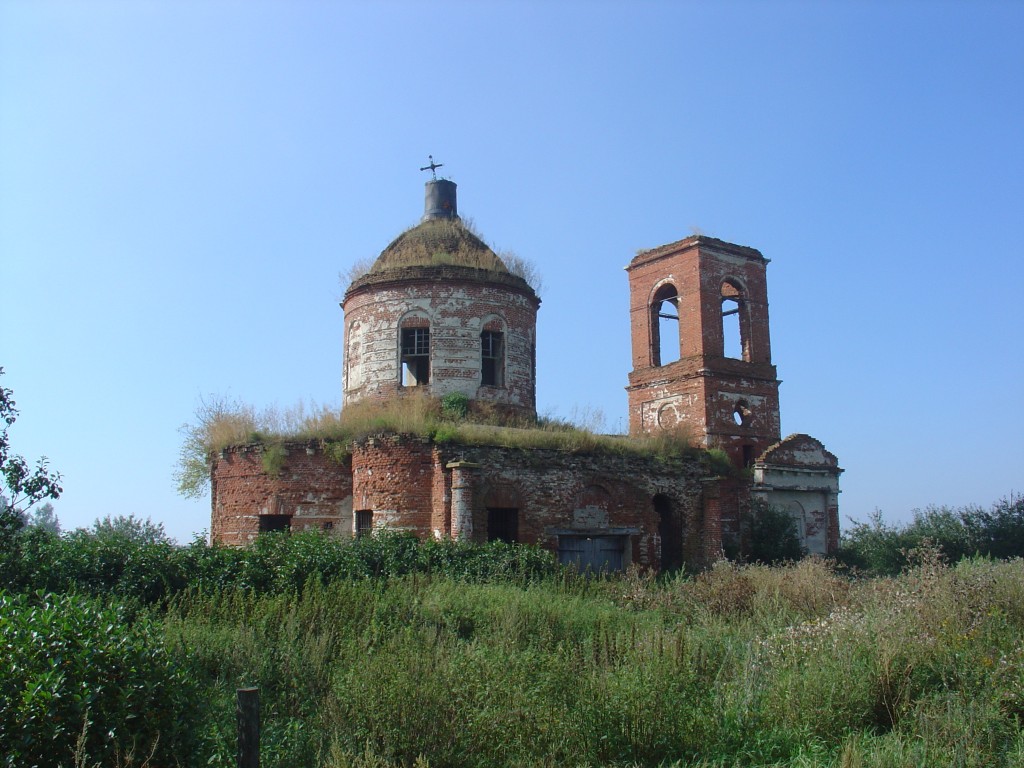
592	553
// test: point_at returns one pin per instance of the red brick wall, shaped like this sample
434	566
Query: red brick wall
312	488
405	482
394	476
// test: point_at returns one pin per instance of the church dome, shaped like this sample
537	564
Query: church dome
438	242
441	313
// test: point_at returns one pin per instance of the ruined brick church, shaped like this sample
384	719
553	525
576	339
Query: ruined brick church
440	313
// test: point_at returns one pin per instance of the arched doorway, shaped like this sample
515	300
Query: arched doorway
670	530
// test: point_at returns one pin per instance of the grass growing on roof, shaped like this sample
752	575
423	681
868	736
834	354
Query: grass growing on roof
221	423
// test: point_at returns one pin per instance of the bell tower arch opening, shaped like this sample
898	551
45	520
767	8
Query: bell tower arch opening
735	322
664	325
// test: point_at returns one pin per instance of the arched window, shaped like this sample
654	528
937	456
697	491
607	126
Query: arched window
735	322
594	496
492	359
665	325
414	359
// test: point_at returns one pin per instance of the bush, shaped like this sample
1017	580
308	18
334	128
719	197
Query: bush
881	549
874	547
773	535
455	406
999	531
78	677
143	572
131	528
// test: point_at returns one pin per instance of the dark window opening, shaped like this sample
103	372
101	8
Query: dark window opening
748	456
275	523
502	524
328	526
415	357
364	523
492	359
665	340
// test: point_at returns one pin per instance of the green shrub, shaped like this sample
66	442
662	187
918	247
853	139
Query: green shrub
76	673
144	573
455	406
26	554
272	457
773	535
875	546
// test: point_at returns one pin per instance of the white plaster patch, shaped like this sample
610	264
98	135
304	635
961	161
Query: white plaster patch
753	401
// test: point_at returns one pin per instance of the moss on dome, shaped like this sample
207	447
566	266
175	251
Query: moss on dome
438	242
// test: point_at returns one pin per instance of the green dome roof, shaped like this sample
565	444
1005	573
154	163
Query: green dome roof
438	242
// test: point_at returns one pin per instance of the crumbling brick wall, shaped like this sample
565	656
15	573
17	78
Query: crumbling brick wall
568	491
310	489
405	483
393	477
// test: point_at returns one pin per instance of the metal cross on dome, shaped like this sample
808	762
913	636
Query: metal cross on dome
432	167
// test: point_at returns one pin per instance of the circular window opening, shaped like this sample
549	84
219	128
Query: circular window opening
741	414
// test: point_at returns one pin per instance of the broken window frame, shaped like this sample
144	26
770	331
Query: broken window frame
492	359
414	362
735	334
741	413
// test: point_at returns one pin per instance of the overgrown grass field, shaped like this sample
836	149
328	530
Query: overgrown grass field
391	652
740	666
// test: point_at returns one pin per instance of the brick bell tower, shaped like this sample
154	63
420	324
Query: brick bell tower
701	352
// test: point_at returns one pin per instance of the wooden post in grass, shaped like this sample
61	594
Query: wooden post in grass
248	728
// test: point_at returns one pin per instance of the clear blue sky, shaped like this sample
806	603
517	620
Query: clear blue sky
181	184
